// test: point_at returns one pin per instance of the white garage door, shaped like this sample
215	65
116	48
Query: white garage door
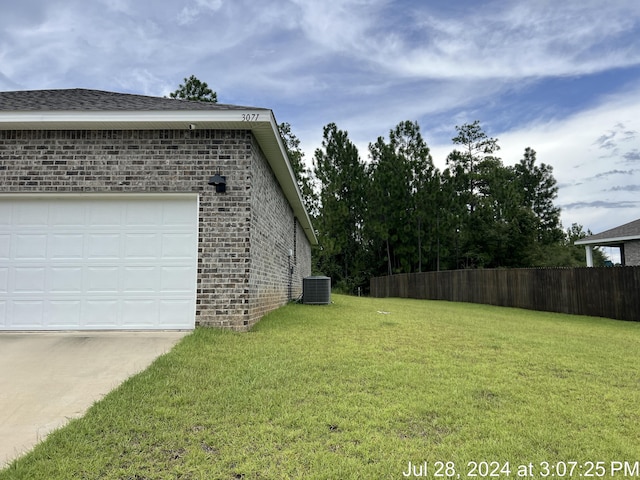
87	262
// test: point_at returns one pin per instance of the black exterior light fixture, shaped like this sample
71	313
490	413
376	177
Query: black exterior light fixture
219	182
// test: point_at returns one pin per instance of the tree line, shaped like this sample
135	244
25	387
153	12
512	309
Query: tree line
398	213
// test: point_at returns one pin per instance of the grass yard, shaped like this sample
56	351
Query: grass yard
360	388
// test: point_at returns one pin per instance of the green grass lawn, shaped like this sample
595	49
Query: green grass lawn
345	391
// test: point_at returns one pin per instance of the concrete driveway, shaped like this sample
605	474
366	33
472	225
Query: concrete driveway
48	378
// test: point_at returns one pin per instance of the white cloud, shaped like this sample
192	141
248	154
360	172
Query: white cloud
595	190
516	40
141	80
122	6
196	8
339	25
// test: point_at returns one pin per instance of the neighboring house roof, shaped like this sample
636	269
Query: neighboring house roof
82	109
623	233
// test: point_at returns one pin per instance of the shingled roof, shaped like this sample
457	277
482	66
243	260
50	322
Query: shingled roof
79	99
626	232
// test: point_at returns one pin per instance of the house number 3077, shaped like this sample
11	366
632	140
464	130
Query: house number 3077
250	117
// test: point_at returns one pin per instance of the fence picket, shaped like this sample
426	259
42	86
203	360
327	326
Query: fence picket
602	292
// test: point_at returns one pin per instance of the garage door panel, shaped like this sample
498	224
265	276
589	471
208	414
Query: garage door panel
31	214
143	213
103	214
140	279
65	280
68	213
29	280
31	246
176	279
5	246
4	280
102	280
103	246
173	214
177	246
66	246
141	246
140	312
63	314
98	262
6	214
101	314
171	310
26	314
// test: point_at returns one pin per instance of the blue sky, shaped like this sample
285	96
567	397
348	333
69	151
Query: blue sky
561	77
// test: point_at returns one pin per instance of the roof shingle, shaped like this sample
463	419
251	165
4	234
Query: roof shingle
631	229
79	99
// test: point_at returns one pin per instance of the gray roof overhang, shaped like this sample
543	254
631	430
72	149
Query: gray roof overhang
603	242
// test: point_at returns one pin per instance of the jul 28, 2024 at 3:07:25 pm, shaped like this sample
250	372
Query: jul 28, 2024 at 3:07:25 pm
497	469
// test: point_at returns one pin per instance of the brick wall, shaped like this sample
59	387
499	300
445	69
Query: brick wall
241	237
275	276
632	253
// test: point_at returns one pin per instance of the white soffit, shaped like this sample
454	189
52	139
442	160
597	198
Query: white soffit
606	241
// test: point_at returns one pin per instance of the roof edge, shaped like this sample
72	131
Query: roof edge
606	241
299	210
37	118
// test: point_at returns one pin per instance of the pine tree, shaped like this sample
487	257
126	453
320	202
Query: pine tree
342	184
302	173
400	200
195	90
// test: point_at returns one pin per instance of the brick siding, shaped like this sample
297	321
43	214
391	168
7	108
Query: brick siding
632	253
244	234
275	276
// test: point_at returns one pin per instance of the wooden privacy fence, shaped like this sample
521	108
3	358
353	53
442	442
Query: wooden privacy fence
612	292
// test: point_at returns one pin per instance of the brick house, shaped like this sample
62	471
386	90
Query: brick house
122	211
625	237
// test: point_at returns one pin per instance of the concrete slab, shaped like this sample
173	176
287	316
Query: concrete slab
46	379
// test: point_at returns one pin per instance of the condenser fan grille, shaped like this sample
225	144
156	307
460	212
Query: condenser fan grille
316	290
